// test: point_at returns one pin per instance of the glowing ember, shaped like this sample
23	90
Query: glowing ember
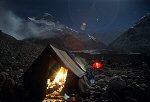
98	65
58	83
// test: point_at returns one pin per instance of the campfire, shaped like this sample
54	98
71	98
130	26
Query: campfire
55	87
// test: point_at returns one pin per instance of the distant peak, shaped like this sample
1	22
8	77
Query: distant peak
144	21
47	14
46	17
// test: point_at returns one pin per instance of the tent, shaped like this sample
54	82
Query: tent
35	78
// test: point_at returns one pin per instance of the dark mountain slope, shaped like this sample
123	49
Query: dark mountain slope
15	54
136	39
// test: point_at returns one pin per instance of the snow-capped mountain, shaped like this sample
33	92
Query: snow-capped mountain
136	39
22	28
46	29
47	22
52	31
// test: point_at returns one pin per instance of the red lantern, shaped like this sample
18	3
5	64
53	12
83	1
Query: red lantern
97	65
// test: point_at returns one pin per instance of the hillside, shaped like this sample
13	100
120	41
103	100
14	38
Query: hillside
135	39
15	54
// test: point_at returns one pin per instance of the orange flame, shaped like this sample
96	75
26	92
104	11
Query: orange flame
59	81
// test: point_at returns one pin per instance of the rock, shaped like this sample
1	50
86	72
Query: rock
8	89
115	85
7	70
138	87
129	81
15	68
104	88
1	66
127	92
3	76
110	74
98	94
100	76
124	77
74	98
21	70
101	83
113	77
99	89
143	85
129	99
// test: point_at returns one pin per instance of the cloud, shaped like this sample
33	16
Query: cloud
21	28
10	23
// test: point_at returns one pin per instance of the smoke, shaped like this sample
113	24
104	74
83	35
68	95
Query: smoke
21	28
10	23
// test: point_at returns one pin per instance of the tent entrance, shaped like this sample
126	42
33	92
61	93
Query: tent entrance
56	84
53	73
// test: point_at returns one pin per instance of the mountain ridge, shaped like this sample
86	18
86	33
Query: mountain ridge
136	38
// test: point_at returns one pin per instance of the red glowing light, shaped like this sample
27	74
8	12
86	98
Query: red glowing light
97	65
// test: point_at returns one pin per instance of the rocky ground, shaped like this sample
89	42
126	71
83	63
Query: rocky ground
111	85
120	84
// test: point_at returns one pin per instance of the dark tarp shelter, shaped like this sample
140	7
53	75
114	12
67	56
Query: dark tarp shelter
35	78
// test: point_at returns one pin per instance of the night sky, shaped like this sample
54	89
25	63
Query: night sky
99	15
